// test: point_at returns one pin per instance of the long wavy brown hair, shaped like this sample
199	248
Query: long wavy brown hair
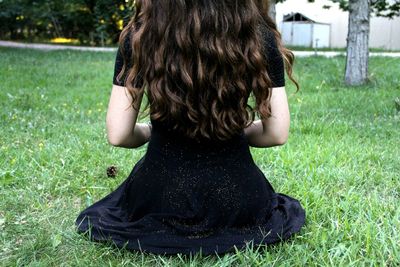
200	61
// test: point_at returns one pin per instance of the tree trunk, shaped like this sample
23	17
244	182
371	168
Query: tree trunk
272	10
357	42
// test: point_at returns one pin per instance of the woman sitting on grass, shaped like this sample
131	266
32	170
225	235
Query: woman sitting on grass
197	188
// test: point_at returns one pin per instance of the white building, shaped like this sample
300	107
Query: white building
385	33
299	30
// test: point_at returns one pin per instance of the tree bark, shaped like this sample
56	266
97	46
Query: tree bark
272	10
357	42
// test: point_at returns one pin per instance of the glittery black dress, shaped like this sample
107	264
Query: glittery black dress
185	197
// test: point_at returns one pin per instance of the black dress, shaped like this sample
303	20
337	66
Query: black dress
186	197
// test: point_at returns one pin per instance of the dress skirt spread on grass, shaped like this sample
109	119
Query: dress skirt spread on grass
186	197
183	197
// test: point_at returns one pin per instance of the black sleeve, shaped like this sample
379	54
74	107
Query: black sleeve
117	69
119	62
275	63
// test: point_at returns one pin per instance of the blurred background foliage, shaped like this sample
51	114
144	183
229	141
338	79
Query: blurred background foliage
87	22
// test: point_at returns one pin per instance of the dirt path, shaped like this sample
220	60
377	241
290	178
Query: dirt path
50	47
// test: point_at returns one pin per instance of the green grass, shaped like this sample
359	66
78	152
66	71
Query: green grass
340	49
342	161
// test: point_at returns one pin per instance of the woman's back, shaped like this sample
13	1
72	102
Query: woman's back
196	188
199	61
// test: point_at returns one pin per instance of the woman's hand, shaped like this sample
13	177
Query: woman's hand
143	132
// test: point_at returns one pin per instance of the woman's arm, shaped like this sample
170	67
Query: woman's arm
122	129
273	131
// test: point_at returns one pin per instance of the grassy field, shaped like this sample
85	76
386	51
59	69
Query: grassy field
342	161
341	49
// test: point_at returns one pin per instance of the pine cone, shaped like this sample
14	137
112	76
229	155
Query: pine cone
112	171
